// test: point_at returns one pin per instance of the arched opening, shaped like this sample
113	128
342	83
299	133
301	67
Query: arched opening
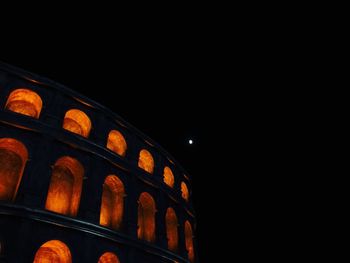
184	191
112	205
146	218
168	176
53	251
171	229
108	257
13	158
116	142
65	186
146	161
189	241
25	101
77	122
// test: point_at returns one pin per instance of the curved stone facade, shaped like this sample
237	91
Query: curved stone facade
79	184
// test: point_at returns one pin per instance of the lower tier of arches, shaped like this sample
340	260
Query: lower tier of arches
28	230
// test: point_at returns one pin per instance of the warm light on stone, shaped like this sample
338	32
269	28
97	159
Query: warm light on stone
65	186
25	101
112	206
108	257
77	122
53	251
116	142
184	191
146	218
168	176
146	161
171	229
189	241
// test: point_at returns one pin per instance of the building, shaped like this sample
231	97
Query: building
80	184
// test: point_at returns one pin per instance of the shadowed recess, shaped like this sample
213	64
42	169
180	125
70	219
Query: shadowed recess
13	157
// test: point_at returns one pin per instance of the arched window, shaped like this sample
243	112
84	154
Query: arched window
108	257
189	241
146	218
168	176
25	101
65	187
112	206
13	158
77	122
53	251
184	191
171	229
146	161
116	142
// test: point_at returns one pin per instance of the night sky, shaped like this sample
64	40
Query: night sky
167	95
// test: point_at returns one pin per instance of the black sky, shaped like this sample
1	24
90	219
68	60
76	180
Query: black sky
216	77
167	95
233	82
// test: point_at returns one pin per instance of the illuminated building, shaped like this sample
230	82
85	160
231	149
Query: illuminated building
80	184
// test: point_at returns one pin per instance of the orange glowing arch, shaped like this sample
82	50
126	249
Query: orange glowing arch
189	241
146	218
171	229
65	187
168	176
13	158
146	161
53	251
184	191
77	122
25	101
108	257
116	142
112	206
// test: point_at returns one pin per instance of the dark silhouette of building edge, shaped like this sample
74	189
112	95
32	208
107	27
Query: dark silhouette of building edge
25	224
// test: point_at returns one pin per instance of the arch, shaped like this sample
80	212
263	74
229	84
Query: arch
24	101
146	161
116	142
13	158
189	241
168	177
65	186
108	257
146	218
77	122
53	251
171	229
184	191
112	206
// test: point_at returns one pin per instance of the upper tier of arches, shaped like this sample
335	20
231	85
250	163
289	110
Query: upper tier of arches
28	102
